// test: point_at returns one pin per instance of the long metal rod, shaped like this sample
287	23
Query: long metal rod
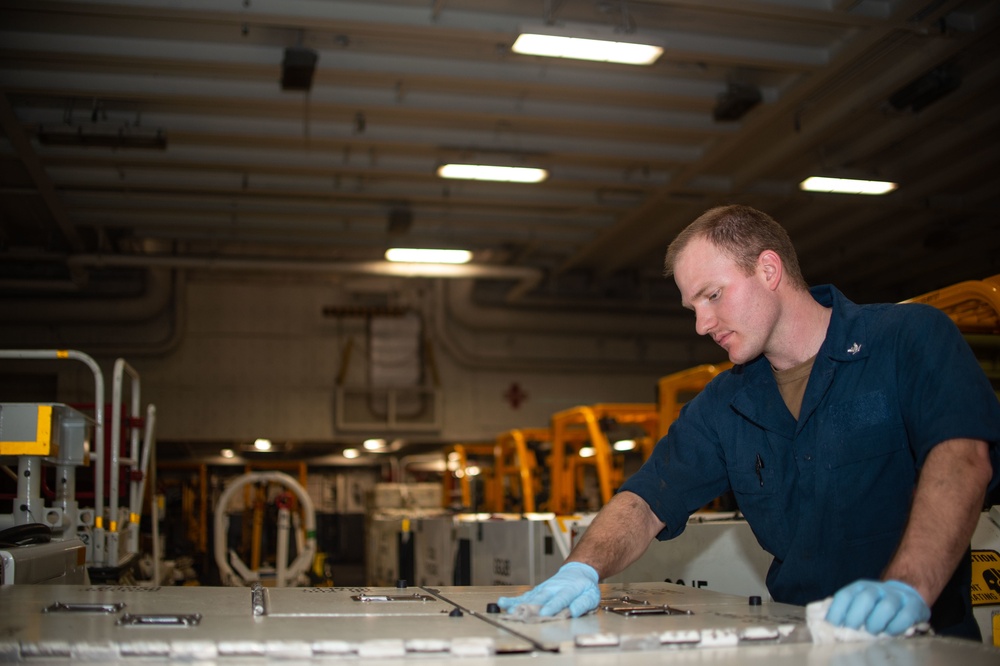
541	647
149	454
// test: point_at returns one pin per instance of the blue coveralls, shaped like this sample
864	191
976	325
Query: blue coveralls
828	495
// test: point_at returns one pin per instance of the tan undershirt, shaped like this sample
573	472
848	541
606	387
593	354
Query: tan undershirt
792	385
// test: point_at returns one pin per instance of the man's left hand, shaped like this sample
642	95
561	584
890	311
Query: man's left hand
889	606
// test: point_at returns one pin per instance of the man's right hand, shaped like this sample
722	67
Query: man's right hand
574	586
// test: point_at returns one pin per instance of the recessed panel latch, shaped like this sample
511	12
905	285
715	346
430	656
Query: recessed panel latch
160	620
391	597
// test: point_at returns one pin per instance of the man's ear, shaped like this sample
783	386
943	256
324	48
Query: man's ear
770	265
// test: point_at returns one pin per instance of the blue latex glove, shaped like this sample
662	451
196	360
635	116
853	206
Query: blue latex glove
574	586
889	606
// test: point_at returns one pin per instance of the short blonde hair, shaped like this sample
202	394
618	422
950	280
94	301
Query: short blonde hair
742	233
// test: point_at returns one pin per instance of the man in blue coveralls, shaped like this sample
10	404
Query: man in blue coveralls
859	441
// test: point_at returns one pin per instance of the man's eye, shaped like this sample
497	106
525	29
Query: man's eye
714	296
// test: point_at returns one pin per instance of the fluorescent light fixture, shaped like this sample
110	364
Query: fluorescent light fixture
624	445
502	174
351	453
585	43
427	256
846	185
262	444
374	444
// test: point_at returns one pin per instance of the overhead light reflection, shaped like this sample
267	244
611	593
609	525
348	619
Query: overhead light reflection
624	445
846	185
504	174
427	256
585	44
374	444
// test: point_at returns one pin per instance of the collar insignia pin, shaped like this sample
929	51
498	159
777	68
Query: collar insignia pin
854	349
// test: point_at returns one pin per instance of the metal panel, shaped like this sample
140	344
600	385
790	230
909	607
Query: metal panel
56	562
122	625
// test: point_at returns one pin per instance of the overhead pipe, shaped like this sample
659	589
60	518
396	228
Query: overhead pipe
442	328
527	278
166	292
80	308
460	294
659	323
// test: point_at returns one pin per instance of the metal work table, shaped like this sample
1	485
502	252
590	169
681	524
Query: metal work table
638	624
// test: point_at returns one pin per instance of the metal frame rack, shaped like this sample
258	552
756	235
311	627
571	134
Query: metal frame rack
109	528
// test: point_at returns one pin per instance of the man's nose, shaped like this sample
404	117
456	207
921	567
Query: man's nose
704	322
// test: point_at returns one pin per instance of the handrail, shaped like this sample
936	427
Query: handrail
98	553
121	367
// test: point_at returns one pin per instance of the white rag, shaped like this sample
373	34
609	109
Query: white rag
529	613
823	632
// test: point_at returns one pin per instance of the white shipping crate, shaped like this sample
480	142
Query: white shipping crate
435	549
405	495
383	532
352	489
714	554
510	550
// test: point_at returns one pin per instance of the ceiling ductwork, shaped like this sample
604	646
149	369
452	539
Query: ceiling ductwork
746	100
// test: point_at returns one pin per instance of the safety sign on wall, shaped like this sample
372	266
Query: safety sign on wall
985	577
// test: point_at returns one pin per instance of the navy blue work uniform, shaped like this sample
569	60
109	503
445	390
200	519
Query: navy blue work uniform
828	495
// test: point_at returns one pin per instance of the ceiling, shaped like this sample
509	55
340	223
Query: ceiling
237	172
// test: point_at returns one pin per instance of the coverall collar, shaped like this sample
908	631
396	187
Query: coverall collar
846	341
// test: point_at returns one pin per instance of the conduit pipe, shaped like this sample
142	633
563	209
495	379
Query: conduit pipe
99	340
74	309
527	278
443	332
457	298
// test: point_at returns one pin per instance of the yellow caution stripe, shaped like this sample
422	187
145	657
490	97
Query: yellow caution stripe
42	446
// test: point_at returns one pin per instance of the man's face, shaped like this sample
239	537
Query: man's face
737	310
